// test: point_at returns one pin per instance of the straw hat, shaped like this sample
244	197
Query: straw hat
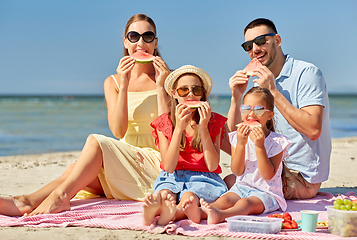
173	76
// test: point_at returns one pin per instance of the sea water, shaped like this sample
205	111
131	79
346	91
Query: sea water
43	124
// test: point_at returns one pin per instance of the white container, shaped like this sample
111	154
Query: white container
342	223
254	224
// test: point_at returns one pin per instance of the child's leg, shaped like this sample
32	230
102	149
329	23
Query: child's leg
188	205
168	207
244	206
191	209
151	208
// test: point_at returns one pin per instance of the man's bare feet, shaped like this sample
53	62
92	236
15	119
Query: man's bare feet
15	206
56	202
168	208
151	207
213	215
191	209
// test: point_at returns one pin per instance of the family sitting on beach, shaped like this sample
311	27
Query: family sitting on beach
168	154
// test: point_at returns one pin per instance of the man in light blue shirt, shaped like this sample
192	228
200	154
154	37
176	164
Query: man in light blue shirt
301	108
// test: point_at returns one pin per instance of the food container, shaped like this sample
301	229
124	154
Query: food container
254	224
342	223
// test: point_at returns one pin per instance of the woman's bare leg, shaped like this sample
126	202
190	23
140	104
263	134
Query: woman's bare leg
55	196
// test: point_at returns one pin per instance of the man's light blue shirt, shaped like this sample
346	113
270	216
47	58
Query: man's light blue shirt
303	84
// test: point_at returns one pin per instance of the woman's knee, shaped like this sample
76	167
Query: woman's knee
92	144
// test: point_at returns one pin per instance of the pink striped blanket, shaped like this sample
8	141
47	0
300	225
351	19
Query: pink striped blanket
114	214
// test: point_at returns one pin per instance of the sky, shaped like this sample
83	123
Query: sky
70	47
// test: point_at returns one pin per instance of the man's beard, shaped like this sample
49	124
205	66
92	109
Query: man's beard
272	56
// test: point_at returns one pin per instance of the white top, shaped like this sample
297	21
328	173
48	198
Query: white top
274	144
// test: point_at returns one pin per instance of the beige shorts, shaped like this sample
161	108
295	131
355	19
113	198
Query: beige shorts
296	187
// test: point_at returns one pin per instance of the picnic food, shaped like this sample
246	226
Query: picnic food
143	57
288	222
254	224
322	224
192	103
252	65
342	222
345	204
251	124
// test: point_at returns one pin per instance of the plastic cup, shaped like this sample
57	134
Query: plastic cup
308	220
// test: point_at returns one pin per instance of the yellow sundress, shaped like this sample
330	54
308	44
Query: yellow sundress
132	164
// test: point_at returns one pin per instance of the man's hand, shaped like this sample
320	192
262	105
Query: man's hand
238	84
265	78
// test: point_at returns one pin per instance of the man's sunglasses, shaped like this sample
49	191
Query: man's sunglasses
148	36
196	90
258	110
260	40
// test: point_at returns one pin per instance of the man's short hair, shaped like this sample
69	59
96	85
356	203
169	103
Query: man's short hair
261	21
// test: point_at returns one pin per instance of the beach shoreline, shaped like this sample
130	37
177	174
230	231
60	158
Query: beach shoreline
23	174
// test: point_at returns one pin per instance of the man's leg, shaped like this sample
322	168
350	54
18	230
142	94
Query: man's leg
296	187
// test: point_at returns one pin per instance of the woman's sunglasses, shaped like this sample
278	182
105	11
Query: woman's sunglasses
148	36
258	110
196	90
260	40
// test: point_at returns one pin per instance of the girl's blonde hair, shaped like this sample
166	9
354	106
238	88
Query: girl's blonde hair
269	100
196	140
137	18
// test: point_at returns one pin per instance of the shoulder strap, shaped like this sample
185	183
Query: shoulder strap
115	81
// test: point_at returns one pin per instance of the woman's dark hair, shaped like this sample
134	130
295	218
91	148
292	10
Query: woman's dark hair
268	98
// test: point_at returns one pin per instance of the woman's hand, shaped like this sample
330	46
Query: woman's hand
126	64
205	114
257	136
161	71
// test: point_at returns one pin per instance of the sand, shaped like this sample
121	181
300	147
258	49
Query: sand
27	173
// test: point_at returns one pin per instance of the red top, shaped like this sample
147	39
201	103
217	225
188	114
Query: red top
190	159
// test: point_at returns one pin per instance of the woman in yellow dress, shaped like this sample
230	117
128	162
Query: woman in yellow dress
122	169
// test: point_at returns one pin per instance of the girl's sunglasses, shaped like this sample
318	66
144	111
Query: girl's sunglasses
184	91
148	36
258	110
260	40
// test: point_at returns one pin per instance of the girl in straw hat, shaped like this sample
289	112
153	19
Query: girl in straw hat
256	161
189	140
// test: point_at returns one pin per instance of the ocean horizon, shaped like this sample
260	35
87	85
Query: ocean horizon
33	124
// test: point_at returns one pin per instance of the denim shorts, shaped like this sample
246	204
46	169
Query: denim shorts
270	203
206	185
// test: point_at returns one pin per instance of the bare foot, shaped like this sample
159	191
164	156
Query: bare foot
213	215
191	209
56	202
151	207
168	208
15	206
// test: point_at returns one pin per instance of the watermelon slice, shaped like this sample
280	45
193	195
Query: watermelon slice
252	65
143	57
192	103
251	124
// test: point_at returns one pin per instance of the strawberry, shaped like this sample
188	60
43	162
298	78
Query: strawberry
287	216
287	225
294	224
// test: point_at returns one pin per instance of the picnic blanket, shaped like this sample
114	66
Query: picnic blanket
116	214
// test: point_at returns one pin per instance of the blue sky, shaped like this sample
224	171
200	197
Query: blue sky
70	47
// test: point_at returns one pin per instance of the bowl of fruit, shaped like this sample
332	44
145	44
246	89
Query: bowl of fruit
342	217
288	223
